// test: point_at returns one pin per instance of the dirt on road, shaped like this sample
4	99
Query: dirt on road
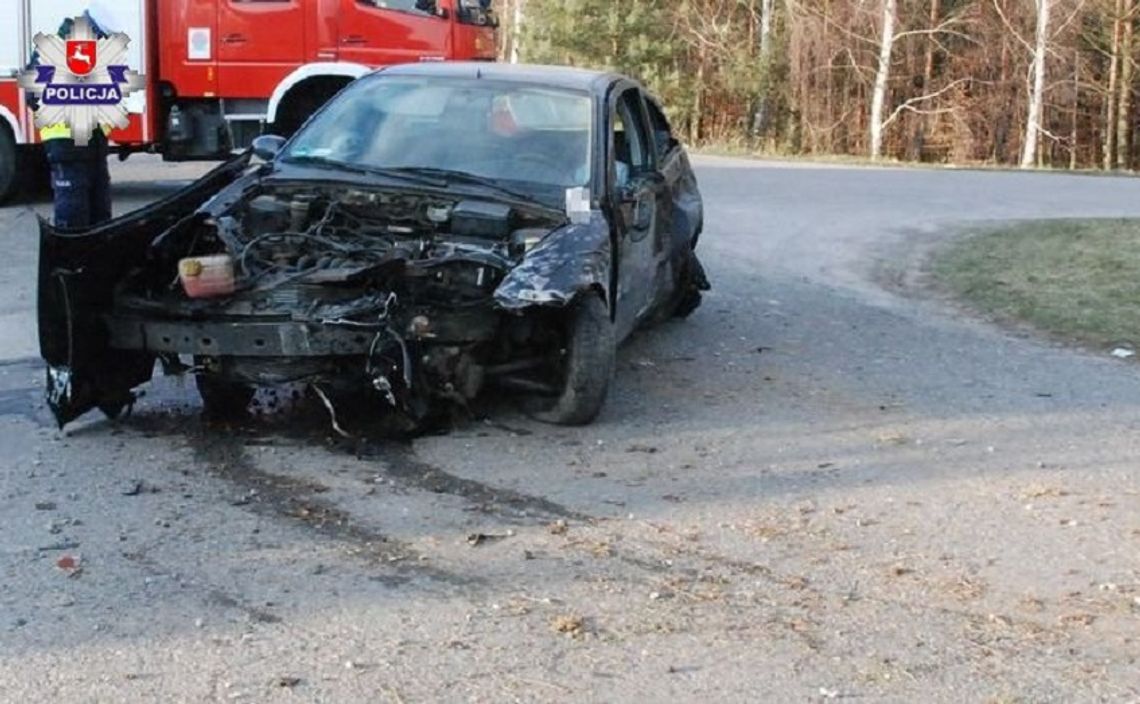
816	489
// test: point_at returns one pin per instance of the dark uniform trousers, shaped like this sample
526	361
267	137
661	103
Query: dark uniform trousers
81	182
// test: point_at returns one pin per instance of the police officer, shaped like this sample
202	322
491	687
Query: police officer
80	178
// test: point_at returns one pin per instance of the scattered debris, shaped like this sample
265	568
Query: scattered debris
59	547
571	625
477	539
559	527
287	682
892	439
1123	353
1081	619
138	487
1041	492
646	449
70	564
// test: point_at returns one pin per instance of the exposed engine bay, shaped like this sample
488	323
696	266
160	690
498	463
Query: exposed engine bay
328	286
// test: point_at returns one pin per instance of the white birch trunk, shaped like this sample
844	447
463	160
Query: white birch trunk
760	119
1037	93
516	30
766	7
882	76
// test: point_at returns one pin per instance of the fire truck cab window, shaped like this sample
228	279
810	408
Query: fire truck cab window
422	6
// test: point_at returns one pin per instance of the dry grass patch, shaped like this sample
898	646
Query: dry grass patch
1079	280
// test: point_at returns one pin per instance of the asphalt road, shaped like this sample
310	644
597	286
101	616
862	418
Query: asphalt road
827	484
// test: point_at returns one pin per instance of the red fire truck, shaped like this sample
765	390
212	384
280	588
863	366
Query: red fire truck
220	72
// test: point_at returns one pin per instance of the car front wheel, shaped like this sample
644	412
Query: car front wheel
585	364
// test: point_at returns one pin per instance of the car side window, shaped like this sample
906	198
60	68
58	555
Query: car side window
630	143
663	139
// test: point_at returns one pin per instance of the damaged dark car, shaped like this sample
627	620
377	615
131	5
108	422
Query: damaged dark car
434	231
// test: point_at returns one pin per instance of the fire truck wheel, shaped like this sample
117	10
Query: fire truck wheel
8	155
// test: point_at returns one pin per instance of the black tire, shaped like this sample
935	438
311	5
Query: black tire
690	283
586	365
223	399
8	156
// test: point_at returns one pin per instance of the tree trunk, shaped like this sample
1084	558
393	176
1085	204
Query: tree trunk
1124	102
698	101
1037	92
1074	124
1110	107
761	118
927	77
882	76
517	19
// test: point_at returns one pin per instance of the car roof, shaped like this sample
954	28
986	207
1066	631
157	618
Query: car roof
553	76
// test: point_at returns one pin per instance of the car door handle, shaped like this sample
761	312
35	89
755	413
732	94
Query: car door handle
354	39
234	39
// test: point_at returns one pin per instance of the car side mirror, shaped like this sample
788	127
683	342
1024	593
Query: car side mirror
268	146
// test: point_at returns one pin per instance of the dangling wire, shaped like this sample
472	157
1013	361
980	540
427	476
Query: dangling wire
332	413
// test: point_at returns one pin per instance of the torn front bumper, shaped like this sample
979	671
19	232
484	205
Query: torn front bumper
78	273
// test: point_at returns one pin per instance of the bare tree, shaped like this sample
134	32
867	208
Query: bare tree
517	19
761	117
1037	90
882	75
1124	102
1109	144
1011	81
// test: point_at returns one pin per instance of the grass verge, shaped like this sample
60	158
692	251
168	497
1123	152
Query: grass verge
1079	280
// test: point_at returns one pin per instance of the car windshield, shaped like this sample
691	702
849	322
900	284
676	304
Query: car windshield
534	140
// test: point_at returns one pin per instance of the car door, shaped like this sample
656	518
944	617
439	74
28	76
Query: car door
385	32
260	42
680	180
639	198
